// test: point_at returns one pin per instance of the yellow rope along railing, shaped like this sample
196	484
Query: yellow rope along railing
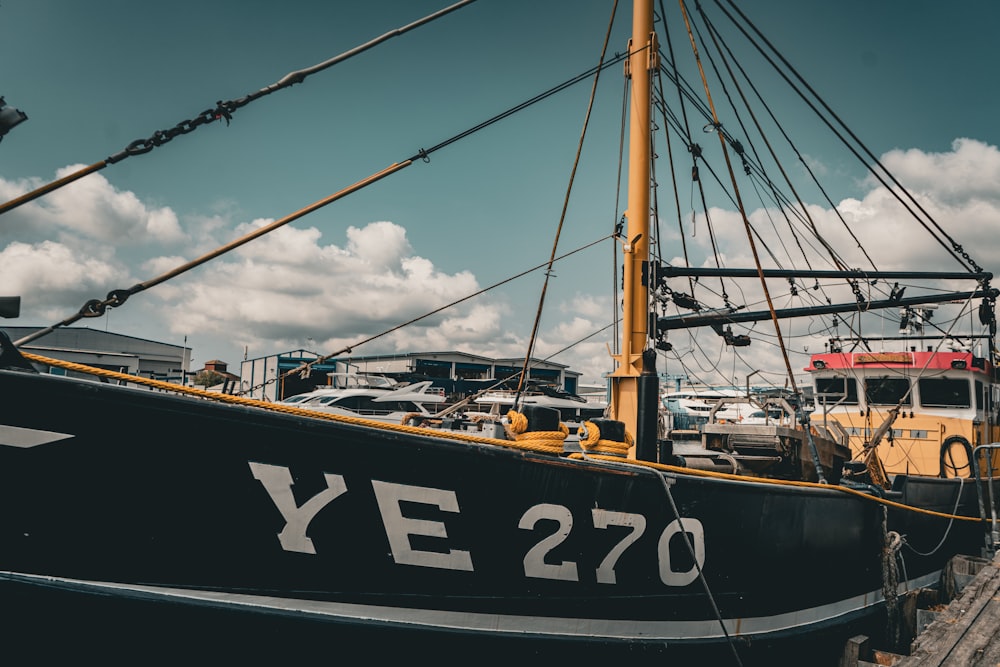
277	407
592	443
546	441
542	445
778	482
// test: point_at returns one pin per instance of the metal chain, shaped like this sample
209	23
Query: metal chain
160	137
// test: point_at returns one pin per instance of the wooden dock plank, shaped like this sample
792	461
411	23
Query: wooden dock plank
967	632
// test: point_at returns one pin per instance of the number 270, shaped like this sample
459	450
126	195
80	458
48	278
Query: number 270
534	561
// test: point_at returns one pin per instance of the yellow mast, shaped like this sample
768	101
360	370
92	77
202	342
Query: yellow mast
635	316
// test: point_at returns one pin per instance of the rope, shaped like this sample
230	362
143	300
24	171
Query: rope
307	366
535	444
279	407
565	207
890	580
222	110
742	209
550	442
701	573
117	297
784	482
592	443
958	498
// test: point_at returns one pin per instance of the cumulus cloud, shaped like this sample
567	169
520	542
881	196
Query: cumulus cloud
293	286
53	279
298	287
88	210
969	172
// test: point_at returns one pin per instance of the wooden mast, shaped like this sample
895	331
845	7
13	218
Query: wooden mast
635	316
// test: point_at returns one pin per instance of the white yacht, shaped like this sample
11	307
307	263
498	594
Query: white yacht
687	409
371	397
573	409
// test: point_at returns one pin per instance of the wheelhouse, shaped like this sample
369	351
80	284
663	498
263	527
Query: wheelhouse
931	408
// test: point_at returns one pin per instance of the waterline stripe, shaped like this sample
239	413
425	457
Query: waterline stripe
476	622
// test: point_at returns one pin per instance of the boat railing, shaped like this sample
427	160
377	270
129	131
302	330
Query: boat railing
496	394
987	493
834	431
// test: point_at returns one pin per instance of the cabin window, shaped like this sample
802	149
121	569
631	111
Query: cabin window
944	393
397	406
324	400
360	404
983	398
887	391
835	387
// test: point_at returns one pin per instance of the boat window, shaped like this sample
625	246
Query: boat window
397	406
944	393
887	391
835	387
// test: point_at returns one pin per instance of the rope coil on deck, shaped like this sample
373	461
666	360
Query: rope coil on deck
546	441
593	443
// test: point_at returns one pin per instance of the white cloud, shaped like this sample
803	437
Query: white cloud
968	172
53	280
291	286
296	284
957	188
89	209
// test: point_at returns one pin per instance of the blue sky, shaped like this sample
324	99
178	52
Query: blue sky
908	78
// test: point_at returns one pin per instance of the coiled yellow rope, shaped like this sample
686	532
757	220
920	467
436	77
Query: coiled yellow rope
594	444
546	441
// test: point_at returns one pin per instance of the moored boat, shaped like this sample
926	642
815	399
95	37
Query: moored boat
132	507
922	411
370	397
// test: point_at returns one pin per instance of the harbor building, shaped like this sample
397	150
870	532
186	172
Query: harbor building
457	373
108	350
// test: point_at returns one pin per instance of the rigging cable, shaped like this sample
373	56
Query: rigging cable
781	201
725	61
562	215
771	186
694	557
117	297
469	399
619	221
736	192
716	37
305	367
222	110
955	248
670	153
811	224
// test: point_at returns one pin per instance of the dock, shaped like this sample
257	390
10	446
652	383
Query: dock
965	632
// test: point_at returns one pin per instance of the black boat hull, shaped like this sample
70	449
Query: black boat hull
133	502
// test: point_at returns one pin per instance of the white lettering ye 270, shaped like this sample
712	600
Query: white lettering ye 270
278	482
